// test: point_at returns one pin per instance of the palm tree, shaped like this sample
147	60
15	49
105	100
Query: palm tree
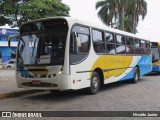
140	9
122	8
128	12
136	8
107	11
112	9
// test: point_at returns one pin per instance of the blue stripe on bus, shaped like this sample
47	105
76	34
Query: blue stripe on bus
144	65
156	68
128	76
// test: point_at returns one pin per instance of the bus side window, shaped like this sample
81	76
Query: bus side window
84	41
148	48
120	44
98	41
129	45
79	44
110	43
84	44
137	46
144	47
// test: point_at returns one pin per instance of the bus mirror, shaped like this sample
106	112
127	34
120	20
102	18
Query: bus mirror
9	42
78	41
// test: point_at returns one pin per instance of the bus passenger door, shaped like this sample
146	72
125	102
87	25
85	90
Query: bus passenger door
79	50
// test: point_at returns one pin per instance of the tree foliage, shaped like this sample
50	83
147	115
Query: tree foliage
4	21
125	13
19	11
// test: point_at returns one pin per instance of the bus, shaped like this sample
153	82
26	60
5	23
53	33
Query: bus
155	50
64	53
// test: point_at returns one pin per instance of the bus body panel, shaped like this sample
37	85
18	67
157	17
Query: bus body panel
66	67
114	68
59	82
156	66
145	65
78	80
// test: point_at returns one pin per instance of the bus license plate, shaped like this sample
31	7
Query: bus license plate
36	82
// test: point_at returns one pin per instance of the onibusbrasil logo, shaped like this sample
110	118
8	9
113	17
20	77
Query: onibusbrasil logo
21	114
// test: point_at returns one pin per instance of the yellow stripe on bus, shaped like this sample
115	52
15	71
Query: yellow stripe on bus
115	65
155	63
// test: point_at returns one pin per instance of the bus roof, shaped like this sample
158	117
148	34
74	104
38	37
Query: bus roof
152	40
75	20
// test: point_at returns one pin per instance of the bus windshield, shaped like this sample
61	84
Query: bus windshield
155	51
42	43
155	54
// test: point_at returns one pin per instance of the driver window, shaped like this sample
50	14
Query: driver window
79	48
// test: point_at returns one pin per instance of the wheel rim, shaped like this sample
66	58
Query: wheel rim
95	82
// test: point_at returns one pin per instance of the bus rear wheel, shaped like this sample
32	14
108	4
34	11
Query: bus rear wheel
95	84
136	75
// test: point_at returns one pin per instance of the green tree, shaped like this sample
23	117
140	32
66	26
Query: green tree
122	6
107	11
137	9
19	11
128	12
4	21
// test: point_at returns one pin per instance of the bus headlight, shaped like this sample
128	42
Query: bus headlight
60	72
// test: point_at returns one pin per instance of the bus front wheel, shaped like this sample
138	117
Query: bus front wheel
136	75
95	84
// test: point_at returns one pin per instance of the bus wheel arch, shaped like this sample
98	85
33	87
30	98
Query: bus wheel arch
101	75
96	81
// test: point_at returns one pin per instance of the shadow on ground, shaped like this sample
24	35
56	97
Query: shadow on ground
76	94
153	74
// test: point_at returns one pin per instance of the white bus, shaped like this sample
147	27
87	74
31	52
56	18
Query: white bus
63	53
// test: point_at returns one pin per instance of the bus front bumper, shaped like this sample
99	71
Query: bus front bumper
59	82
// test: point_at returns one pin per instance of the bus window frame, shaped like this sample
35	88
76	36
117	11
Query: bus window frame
90	41
117	34
114	43
130	45
103	39
139	40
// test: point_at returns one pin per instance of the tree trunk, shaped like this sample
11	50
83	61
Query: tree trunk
122	18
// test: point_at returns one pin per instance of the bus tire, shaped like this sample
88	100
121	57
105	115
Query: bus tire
94	84
135	75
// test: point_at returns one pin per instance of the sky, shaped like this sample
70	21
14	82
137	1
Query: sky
148	28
